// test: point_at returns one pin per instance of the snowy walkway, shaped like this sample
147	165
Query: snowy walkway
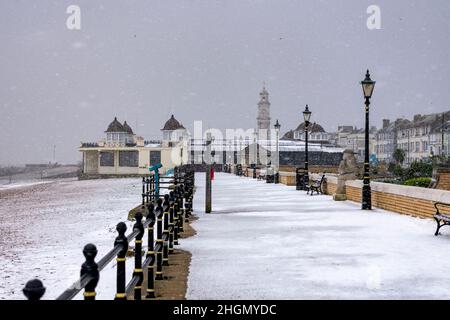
267	241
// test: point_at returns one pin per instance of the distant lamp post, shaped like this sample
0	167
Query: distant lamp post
255	156
306	117
277	127
208	167
240	151
367	85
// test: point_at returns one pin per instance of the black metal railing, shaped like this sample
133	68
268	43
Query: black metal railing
164	216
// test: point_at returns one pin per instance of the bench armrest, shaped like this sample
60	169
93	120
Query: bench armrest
440	204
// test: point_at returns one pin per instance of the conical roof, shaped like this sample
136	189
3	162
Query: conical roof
127	128
115	126
172	124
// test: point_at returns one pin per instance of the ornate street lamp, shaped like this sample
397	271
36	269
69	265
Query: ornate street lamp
277	127
306	117
367	85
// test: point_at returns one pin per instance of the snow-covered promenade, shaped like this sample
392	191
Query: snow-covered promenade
266	241
44	228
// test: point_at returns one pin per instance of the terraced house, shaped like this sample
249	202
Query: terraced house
423	137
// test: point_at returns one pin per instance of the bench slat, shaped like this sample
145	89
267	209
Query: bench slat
442	217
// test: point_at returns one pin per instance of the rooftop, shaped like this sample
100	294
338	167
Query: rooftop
115	126
172	124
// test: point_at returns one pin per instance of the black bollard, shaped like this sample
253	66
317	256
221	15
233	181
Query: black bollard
122	241
90	268
34	290
138	255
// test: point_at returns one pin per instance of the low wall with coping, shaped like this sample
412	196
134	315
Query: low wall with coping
413	201
443	178
287	178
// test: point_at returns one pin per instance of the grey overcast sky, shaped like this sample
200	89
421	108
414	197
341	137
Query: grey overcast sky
141	60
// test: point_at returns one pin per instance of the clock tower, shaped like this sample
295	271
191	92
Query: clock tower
263	118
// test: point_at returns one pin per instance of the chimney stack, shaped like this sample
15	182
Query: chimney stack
386	123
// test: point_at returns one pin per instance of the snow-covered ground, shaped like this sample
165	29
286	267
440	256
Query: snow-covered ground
22	184
266	241
44	228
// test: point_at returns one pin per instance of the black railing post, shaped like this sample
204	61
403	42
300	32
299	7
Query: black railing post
169	203
151	253
186	204
159	240
166	236
143	192
122	241
175	218
175	176
138	256
181	209
147	189
34	290
90	268
151	187
172	229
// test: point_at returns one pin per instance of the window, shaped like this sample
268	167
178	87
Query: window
128	158
155	157
107	159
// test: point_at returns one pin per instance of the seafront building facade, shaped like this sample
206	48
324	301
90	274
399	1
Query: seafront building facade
123	153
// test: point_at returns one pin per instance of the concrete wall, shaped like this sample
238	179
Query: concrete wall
443	177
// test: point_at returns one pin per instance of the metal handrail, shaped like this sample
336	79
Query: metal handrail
102	263
90	269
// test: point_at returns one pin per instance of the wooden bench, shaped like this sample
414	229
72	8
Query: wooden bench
441	218
316	186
